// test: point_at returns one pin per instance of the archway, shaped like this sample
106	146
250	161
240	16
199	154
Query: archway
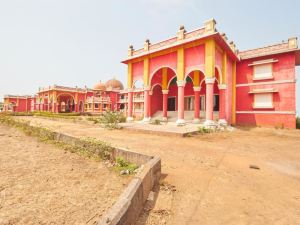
65	103
160	83
81	106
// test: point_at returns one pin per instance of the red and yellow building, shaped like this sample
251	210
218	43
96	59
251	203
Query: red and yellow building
60	99
201	76
196	76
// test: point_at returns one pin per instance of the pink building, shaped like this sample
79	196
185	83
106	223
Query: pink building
200	76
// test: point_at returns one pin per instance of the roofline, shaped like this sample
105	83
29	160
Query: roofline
270	53
178	43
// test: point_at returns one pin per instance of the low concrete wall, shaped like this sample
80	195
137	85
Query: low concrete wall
131	202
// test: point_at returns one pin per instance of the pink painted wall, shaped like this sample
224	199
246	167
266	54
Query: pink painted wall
137	70
283	100
168	60
194	56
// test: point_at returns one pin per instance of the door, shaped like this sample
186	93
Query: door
189	103
171	104
216	102
202	102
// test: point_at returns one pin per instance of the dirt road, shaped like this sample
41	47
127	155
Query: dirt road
41	184
211	174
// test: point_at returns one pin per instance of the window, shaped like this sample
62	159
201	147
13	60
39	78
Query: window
96	105
263	100
263	71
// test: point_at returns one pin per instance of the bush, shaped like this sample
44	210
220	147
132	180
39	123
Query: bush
156	122
204	130
298	122
111	119
121	164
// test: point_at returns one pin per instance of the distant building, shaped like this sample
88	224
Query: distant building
59	99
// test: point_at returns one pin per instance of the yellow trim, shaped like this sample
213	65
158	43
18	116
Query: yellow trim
210	57
224	68
233	112
167	51
146	72
165	78
196	78
180	64
129	76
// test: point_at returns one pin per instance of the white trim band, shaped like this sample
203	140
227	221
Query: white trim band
210	80
267	112
266	83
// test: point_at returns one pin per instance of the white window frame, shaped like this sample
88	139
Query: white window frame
261	75
261	105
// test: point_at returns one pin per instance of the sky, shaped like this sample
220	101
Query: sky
80	42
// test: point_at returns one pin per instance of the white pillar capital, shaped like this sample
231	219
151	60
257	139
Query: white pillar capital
210	80
197	88
165	92
180	83
222	86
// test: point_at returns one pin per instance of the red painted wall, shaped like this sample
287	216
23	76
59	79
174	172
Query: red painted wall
283	100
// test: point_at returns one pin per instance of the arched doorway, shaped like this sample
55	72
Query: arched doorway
65	103
161	98
81	106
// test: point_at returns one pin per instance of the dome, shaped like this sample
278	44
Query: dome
114	84
99	86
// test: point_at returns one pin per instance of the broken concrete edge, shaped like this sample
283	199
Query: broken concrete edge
131	202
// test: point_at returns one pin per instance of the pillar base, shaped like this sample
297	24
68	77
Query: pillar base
146	119
129	119
222	122
180	122
165	119
209	123
196	120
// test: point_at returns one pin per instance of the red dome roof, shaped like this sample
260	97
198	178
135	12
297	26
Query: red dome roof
99	86
114	84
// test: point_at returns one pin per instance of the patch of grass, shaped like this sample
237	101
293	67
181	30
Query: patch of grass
204	130
121	164
88	147
156	122
298	123
111	119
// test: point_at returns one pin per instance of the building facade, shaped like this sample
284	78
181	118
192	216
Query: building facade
200	75
60	99
196	76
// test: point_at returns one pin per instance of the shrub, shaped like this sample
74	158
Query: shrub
204	130
156	122
121	164
298	122
111	119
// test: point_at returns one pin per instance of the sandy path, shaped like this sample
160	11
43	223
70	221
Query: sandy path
212	176
41	184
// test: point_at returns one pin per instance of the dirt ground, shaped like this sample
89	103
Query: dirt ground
207	179
42	184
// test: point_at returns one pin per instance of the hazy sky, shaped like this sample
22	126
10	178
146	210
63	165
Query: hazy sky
79	42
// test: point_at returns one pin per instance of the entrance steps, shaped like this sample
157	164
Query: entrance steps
188	116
